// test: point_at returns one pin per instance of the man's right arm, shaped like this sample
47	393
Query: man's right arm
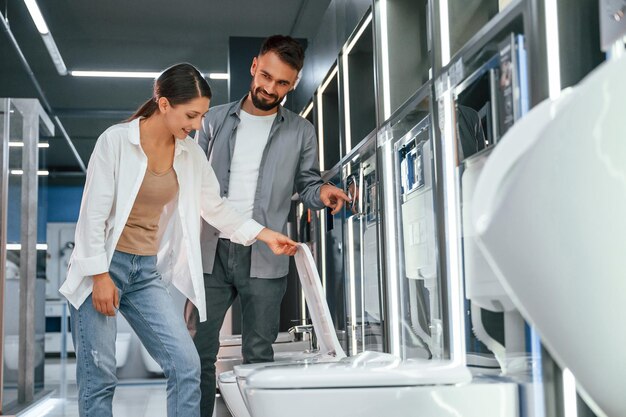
308	180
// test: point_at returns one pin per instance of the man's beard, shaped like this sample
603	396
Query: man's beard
260	103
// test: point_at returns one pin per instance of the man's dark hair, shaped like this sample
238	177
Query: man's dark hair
287	48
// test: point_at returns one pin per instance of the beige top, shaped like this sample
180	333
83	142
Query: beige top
139	236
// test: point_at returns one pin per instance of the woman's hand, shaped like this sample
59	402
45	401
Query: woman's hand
277	242
105	297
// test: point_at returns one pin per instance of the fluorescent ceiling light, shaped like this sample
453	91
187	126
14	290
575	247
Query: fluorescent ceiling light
18	246
115	74
444	21
42	172
384	36
35	13
570	405
48	40
55	55
552	45
219	75
21	145
138	74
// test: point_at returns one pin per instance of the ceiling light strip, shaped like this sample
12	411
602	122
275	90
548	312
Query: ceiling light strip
115	74
35	14
21	145
18	246
54	53
137	74
384	37
219	75
552	45
41	172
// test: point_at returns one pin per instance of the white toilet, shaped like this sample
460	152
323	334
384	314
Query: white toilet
557	182
372	385
371	388
231	383
149	362
369	384
122	346
11	351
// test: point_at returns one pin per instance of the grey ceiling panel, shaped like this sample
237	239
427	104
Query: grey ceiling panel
138	35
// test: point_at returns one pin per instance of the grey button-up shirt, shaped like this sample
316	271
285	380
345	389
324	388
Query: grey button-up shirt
289	163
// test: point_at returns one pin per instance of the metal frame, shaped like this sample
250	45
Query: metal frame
529	16
319	105
4	197
368	144
451	78
368	19
33	117
389	248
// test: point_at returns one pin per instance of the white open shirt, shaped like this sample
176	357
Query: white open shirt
115	173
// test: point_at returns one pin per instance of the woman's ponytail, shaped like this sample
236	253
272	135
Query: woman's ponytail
179	84
147	109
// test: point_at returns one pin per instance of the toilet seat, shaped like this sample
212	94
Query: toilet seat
367	369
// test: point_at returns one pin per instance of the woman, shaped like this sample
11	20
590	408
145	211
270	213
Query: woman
148	185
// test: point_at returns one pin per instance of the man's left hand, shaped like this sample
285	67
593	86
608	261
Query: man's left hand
333	197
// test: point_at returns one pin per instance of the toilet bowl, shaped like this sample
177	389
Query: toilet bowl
12	351
122	347
374	387
231	383
149	362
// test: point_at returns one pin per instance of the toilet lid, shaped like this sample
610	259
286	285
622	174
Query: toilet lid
368	369
316	303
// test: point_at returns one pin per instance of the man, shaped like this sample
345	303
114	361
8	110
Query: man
260	152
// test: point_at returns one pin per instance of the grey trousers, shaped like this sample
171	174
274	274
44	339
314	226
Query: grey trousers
260	307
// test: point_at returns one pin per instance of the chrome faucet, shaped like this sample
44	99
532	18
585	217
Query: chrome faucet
304	332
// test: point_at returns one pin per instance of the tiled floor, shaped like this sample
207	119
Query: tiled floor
137	398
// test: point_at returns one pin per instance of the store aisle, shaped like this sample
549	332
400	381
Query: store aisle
133	398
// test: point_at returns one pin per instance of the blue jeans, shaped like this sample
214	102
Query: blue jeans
260	309
147	305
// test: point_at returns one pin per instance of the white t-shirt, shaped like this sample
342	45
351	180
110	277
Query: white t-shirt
252	135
